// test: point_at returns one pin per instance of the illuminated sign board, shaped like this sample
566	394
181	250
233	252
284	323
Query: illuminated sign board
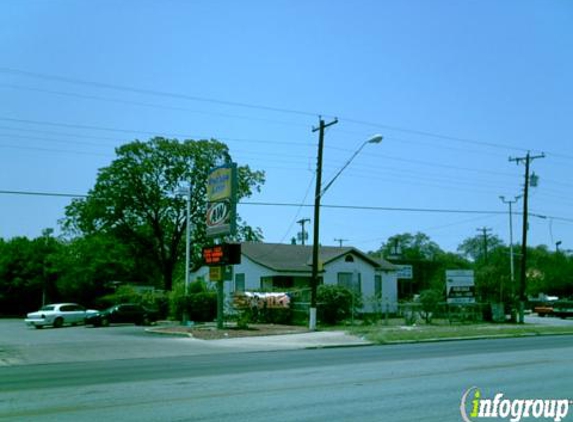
225	254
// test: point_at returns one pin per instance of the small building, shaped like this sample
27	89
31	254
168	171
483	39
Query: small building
280	267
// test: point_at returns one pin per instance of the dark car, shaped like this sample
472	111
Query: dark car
124	313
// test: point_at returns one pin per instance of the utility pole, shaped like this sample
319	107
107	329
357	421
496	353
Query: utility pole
315	246
340	241
484	231
302	222
527	160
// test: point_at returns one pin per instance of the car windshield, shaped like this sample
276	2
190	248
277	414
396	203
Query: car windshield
48	308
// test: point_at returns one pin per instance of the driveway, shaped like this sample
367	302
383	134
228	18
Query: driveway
23	345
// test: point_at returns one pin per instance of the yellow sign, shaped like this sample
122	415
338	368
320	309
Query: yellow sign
220	184
216	273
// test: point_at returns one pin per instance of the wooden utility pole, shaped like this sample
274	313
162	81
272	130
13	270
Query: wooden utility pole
315	246
522	284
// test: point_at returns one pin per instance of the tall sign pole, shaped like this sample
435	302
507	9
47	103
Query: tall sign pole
316	233
523	270
221	217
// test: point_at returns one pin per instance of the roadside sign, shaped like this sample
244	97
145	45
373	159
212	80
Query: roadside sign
405	272
216	273
460	286
222	202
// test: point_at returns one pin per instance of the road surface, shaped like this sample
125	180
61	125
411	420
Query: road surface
419	382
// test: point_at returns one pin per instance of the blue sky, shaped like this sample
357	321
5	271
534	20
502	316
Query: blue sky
455	88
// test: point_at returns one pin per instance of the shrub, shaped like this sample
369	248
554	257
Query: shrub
336	303
429	300
200	303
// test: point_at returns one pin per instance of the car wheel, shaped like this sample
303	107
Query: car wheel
105	322
58	322
38	327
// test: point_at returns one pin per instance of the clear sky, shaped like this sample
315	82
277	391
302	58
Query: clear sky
455	88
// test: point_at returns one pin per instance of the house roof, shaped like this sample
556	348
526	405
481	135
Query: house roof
297	258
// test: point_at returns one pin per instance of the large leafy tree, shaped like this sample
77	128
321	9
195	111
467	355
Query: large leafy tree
27	272
478	247
424	255
410	246
549	272
137	199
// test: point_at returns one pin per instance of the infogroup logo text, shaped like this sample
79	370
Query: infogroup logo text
474	407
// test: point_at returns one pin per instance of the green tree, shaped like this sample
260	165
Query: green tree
27	273
549	272
136	199
411	247
477	248
423	254
86	266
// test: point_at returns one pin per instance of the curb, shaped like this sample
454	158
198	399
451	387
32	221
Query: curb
484	337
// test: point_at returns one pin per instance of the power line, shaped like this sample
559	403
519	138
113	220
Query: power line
153	92
152	105
302	205
159	93
136	131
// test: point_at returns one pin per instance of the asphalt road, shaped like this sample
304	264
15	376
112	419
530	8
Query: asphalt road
421	382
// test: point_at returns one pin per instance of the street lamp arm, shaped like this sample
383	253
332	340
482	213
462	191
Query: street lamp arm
374	140
329	184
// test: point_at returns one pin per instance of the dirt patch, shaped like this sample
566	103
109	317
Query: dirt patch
210	332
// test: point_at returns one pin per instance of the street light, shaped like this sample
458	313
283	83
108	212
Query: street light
320	191
187	192
511	260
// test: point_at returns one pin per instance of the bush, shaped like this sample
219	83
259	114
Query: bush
336	303
429	300
200	304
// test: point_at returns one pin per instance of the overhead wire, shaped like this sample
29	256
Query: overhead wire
159	93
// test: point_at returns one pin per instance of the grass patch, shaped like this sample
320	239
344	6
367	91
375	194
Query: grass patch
393	333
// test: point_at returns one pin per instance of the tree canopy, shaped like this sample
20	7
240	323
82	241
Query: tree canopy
137	199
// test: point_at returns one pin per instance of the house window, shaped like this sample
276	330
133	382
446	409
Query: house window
240	282
378	286
349	258
351	281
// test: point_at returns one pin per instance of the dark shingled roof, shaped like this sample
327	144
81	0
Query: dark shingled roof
297	258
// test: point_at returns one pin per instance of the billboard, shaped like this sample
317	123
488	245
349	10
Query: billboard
460	286
221	201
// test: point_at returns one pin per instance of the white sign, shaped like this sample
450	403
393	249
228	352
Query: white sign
405	272
460	286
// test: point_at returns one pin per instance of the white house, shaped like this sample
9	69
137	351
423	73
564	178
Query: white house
276	267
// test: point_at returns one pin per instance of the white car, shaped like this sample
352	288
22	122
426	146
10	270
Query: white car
58	314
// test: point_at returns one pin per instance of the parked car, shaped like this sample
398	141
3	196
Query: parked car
58	314
124	313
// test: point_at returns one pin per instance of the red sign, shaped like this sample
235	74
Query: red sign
225	254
